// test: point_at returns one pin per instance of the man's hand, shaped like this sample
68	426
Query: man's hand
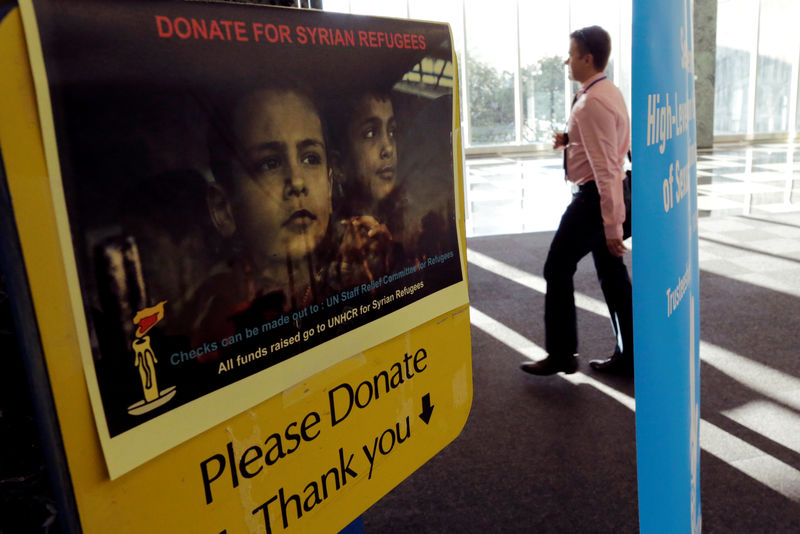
559	140
616	248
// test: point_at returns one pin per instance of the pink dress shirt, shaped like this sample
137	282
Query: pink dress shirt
599	138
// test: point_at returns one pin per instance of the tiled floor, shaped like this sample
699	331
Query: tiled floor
507	195
515	194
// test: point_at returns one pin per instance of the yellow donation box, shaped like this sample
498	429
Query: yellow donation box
243	233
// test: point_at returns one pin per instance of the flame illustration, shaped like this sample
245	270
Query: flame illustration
147	318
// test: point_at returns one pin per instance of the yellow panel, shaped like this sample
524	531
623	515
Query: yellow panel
303	442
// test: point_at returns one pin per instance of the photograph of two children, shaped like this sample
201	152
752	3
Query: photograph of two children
244	186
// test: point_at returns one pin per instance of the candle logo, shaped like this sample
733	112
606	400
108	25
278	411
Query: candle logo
145	361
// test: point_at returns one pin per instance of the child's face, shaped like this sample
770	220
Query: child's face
281	198
372	146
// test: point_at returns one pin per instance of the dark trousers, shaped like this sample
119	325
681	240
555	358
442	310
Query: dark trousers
579	233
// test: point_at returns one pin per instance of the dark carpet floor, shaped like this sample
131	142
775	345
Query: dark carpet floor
552	455
547	455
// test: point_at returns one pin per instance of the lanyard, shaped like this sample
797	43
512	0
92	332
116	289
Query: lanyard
587	89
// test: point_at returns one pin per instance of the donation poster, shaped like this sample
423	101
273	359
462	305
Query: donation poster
246	196
666	295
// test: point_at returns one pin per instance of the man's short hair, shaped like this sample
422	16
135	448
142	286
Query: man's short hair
596	41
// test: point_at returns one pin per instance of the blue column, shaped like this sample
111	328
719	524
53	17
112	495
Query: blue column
665	269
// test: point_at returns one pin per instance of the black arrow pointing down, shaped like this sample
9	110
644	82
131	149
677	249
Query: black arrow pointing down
427	408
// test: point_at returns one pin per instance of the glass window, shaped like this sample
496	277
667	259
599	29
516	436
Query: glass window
590	12
449	11
605	14
544	45
384	8
338	6
735	41
490	66
776	51
622	49
797	118
500	40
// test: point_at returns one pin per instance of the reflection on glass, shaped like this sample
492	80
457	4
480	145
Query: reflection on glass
775	56
735	41
543	45
490	65
449	11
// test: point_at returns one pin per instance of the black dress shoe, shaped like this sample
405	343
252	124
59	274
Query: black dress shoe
551	365
616	364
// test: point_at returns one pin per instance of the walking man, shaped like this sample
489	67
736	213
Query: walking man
596	143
